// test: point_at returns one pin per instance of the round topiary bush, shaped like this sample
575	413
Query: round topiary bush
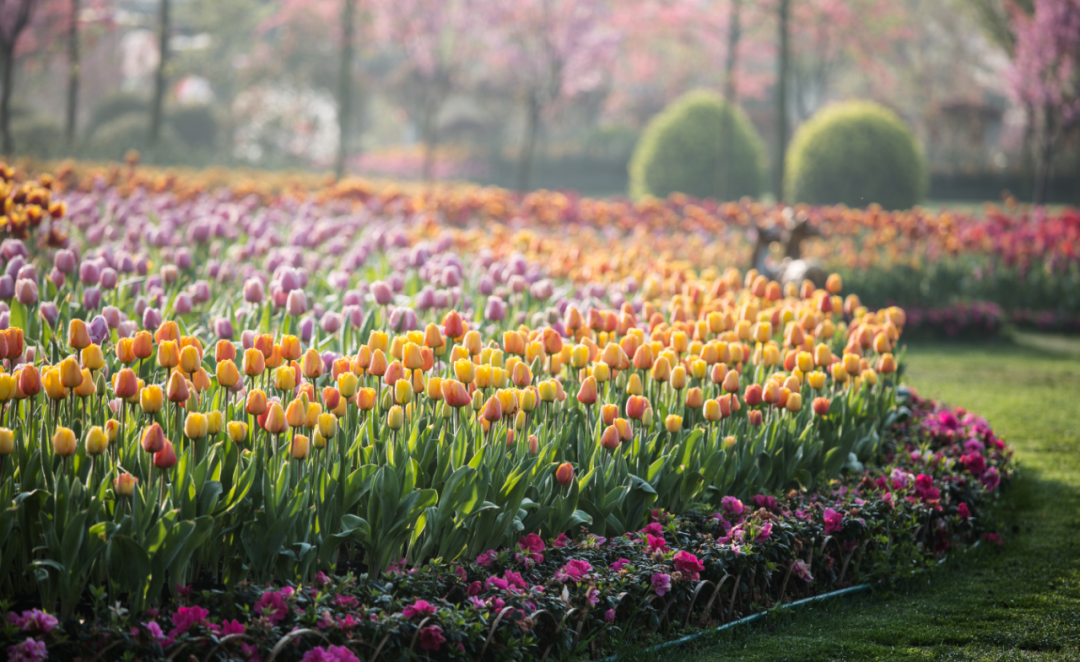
700	146
112	141
113	107
196	125
855	153
38	136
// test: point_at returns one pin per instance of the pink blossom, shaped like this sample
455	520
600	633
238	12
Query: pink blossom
515	580
533	545
661	583
329	654
155	630
486	559
232	627
272	606
924	488
990	478
431	638
764	532
732	507
560	541
609	616
765	501
34	620
30	650
474	589
962	511
497	583
575	570
688	564
653	529
833	521
419	608
801	570
618	565
343	600
593	596
321	579
251	651
656	543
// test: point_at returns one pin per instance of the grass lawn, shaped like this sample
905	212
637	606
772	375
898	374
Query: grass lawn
1020	602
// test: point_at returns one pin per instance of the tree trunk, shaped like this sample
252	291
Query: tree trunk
348	13
783	15
158	101
531	127
8	65
1043	162
73	74
726	156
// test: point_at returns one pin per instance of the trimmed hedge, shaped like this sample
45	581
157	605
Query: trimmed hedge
855	154
681	151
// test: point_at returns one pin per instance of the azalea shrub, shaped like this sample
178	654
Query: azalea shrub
332	426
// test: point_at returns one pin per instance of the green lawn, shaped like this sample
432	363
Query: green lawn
1021	602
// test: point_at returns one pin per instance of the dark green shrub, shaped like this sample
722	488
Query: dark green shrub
855	154
681	151
114	107
195	125
112	140
38	137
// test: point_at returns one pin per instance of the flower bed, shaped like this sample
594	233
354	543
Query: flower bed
551	598
426	438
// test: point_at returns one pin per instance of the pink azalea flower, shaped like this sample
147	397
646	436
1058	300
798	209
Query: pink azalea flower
609	616
34	620
560	541
653	529
618	565
232	627
533	545
732	507
515	580
496	583
963	511
990	479
656	543
431	638
764	532
419	608
802	571
486	559
30	650
764	501
833	521
342	600
474	589
593	596
574	571
186	618
272	606
688	564
661	583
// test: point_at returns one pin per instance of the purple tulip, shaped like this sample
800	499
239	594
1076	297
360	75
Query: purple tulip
451	276
65	260
49	312
151	319
288	280
223	328
328	359
7	287
403	319
382	293
91	298
126	329
352	298
354	314
331	323
89	272
27	271
296	304
518	284
182	305
396	282
57	278
26	292
307	328
98	329
13	266
112	316
200	291
183	259
12	248
108	278
495	310
425	298
486	285
541	289
169	274
253	291
247	339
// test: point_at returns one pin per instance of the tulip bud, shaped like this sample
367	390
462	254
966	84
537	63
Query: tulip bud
395	418
565	473
124	484
755	417
96	441
731	382
195	426
273	420
93	358
886	364
87	387
7	442
547	391
493	410
816	379
176	390
609	439
328	425
587	393
166	457
78	334
821	406
142	345
673	423
70	373
64	442
151	399
300	447
636	407
712	411
237	431
794	402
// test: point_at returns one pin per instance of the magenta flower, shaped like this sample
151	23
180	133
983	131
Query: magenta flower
609	616
272	606
34	620
419	608
656	543
990	479
963	511
575	570
186	618
688	564
618	565
833	521
486	559
431	638
533	545
232	627
30	650
801	570
764	501
764	532
653	529
593	596
661	583
329	654
560	541
732	507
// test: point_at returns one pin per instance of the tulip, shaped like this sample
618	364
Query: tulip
26	291
143	345
403	392
587	393
78	334
395	418
227	374
86	387
712	411
124	484
886	365
753	395
821	406
794	402
64	442
153	438
636	407
237	431
770	393
189	359
609	439
731	382
755	416
299	447
839	374
96	441
93	358
176	389
547	391
166	457
151	399
273	419
834	284
7	442
493	410
254	362
312	364
678	377
70	373
816	379
327	425
365	399
608	413
673	423
822	355
195	426
565	473
256	403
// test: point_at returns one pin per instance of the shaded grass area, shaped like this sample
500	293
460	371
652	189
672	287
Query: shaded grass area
1020	602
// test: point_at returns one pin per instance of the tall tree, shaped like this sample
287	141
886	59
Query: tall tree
783	15
1045	77
14	18
157	103
730	90
345	77
73	74
550	51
